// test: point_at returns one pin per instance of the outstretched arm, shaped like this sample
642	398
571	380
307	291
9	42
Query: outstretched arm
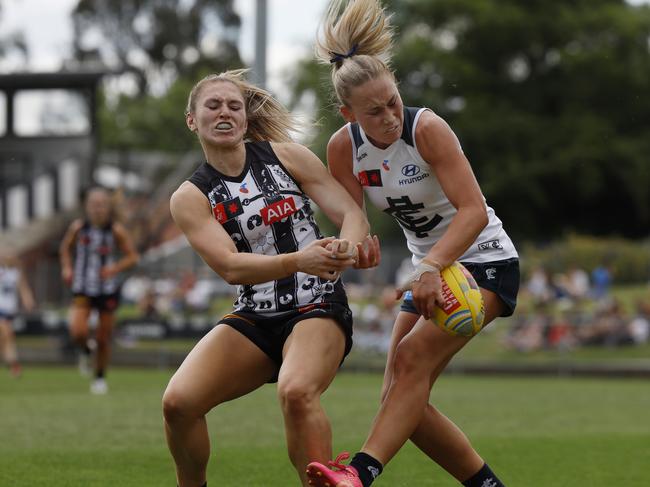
339	164
191	212
328	194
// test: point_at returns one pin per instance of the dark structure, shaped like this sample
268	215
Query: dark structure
48	139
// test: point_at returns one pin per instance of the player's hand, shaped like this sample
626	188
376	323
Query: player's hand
108	271
426	285
342	248
319	260
368	252
427	293
66	275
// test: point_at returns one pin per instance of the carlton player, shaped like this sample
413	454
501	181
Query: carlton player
247	211
410	165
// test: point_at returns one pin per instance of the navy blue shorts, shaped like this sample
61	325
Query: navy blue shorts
7	316
270	333
500	276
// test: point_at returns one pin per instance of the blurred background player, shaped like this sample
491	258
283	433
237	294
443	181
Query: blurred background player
14	289
247	212
93	252
411	165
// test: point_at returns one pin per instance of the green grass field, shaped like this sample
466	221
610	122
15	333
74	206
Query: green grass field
534	432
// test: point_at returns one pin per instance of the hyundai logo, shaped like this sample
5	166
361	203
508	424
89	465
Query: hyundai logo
410	170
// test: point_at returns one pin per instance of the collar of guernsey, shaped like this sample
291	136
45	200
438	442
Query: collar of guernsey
398	181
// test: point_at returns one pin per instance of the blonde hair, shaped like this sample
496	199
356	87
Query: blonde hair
267	118
356	37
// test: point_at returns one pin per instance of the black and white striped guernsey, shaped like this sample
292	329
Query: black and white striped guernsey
265	212
95	248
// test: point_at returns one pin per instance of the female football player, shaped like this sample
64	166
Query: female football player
102	249
247	211
14	290
410	164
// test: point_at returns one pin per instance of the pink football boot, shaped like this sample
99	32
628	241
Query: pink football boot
320	475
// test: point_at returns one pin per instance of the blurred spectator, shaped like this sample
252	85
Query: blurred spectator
639	327
560	335
529	331
538	285
578	283
601	279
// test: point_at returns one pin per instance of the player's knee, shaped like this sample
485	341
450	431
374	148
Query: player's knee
410	360
175	405
296	397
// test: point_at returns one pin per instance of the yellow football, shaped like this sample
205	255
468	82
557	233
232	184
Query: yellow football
463	312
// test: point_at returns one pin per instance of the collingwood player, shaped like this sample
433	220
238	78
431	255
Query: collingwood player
247	212
410	164
93	253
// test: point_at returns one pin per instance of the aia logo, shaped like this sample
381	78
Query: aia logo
243	188
410	170
278	210
385	165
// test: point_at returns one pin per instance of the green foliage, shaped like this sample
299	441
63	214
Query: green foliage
148	122
629	260
547	97
156	40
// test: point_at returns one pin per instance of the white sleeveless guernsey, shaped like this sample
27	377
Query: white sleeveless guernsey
401	183
9	277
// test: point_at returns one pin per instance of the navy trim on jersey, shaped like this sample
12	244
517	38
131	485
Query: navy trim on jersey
409	120
407	129
356	138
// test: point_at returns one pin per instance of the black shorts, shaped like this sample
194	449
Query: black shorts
270	332
500	276
7	316
103	302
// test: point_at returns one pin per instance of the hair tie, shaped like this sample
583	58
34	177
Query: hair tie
337	57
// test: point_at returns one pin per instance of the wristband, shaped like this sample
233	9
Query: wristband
421	268
433	263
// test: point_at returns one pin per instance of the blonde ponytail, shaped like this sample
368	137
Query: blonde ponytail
267	118
356	38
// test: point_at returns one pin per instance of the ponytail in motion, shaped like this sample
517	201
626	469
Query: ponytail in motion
356	38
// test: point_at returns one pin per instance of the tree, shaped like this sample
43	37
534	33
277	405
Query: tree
549	101
157	40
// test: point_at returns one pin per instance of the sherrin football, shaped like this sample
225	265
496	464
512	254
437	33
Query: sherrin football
463	312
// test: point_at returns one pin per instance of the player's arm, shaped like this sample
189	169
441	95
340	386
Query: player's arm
130	256
65	250
339	164
327	193
192	213
440	147
25	292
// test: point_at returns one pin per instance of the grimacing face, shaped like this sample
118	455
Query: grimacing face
377	106
219	117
